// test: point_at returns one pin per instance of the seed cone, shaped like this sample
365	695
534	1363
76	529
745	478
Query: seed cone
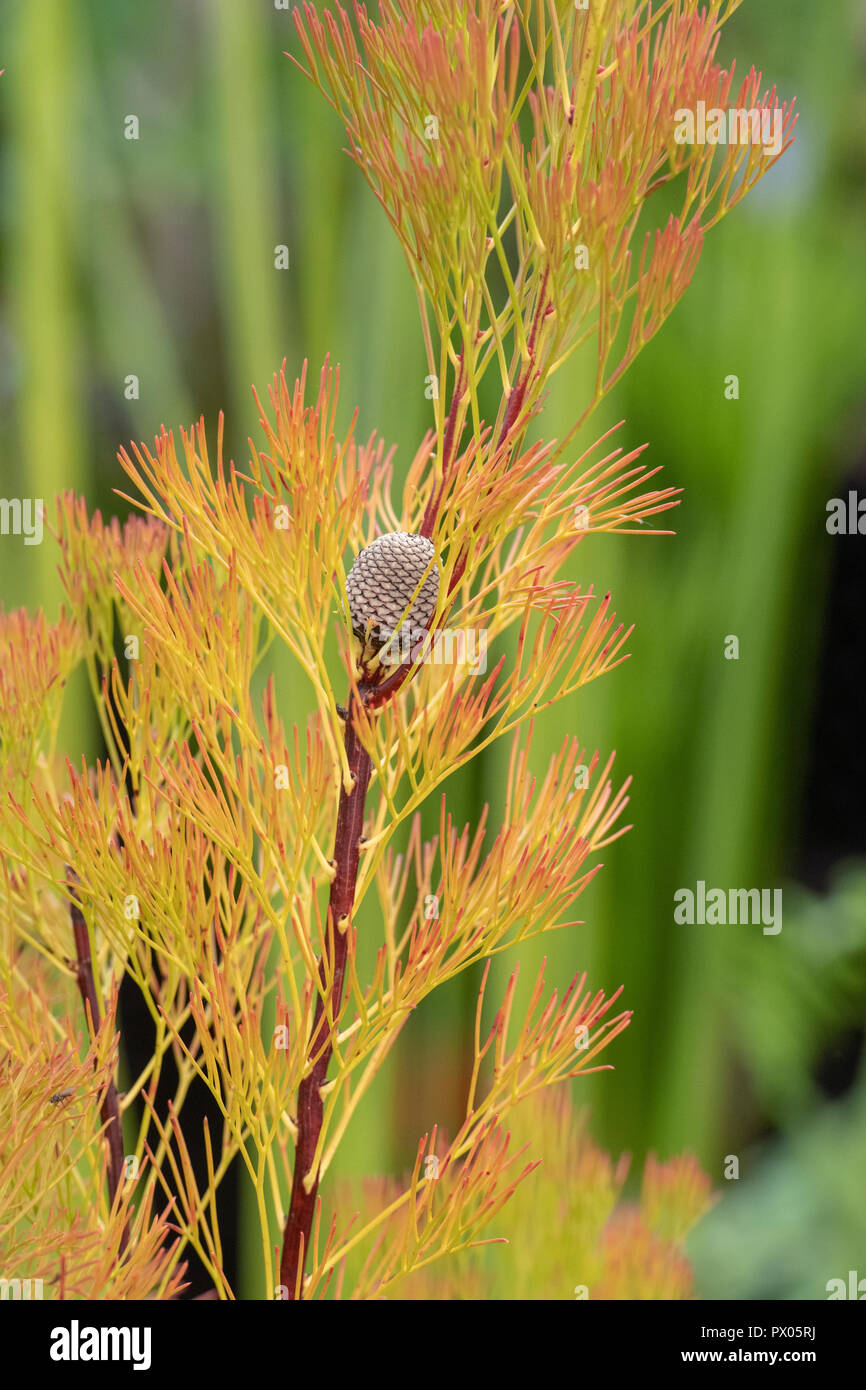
382	581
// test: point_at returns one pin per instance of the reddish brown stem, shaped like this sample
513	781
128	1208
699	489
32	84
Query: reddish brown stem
512	412
350	826
110	1110
347	848
517	396
389	686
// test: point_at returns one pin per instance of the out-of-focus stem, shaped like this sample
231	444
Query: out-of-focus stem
110	1110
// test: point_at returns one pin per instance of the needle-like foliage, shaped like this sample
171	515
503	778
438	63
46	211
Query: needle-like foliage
218	856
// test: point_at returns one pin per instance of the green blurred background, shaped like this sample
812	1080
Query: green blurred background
154	257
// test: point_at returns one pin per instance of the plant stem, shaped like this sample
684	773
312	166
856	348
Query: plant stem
347	847
110	1110
350	826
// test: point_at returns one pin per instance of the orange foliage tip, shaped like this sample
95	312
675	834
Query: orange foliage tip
675	1195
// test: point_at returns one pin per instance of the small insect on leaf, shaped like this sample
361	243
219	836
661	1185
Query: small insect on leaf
63	1098
60	1096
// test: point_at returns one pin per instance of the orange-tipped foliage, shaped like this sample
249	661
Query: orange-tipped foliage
259	802
568	1232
